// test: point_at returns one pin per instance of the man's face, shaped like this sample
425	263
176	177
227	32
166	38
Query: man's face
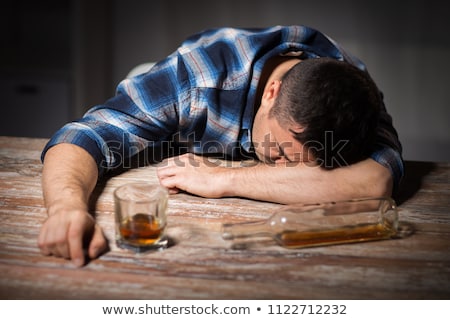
274	143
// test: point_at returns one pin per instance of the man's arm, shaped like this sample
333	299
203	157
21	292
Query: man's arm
68	179
282	183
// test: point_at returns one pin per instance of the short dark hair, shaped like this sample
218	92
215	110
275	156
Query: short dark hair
334	100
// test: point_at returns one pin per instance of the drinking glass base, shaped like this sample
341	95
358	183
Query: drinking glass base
162	244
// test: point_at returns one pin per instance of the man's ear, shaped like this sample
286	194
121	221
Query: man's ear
271	91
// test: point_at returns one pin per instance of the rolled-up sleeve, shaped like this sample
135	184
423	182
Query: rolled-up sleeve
391	159
388	149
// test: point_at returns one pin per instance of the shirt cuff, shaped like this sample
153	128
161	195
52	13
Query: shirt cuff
83	139
392	160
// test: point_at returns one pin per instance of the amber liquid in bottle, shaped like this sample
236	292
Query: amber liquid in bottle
294	239
141	229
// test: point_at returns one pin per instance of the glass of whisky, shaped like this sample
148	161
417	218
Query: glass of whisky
140	217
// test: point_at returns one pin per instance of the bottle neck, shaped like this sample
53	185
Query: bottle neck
232	231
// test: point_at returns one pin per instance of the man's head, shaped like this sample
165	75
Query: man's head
331	108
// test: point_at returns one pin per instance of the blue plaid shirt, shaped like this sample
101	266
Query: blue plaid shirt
203	96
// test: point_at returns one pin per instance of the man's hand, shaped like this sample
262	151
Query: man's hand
67	230
194	174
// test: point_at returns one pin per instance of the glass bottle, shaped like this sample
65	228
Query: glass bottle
308	225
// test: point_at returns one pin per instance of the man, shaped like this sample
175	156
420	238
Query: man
287	96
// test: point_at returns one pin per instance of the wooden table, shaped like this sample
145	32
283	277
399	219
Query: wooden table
200	265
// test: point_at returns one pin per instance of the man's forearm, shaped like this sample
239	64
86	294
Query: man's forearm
282	183
289	183
69	176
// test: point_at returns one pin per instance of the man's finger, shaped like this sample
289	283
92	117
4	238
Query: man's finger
75	241
98	243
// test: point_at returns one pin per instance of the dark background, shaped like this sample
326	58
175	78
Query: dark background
60	57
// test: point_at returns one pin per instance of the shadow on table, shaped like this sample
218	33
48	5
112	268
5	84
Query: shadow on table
144	158
415	171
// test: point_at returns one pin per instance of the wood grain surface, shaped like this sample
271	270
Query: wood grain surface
199	264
